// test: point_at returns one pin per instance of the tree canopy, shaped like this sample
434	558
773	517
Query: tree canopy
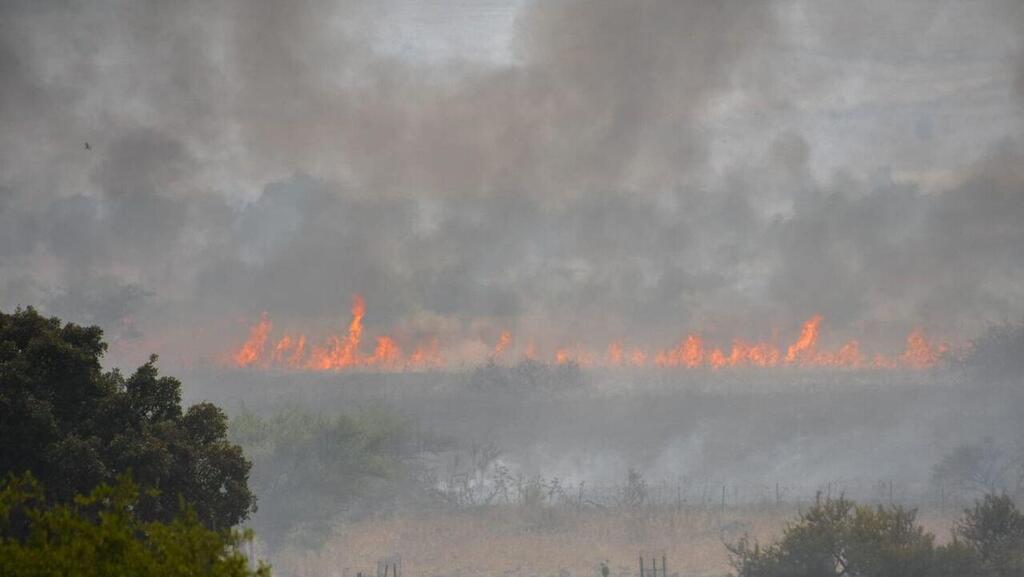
75	427
99	535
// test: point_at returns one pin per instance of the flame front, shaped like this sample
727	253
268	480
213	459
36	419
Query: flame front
342	352
252	349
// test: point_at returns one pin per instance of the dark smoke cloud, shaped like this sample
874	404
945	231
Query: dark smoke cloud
632	169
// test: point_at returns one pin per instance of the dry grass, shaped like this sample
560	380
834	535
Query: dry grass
525	543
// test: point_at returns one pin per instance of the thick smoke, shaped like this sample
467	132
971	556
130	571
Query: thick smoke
611	170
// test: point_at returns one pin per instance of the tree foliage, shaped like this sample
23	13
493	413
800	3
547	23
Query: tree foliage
994	531
76	427
99	535
837	537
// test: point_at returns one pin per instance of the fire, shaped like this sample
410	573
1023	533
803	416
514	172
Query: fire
575	354
717	359
803	348
343	352
503	342
850	355
921	354
295	359
281	348
689	354
252	349
386	354
614	355
427	356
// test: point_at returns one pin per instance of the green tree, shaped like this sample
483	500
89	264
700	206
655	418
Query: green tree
99	535
836	537
994	531
75	427
839	538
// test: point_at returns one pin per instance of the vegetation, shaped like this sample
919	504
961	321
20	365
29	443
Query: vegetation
100	535
75	427
312	470
993	530
838	537
974	470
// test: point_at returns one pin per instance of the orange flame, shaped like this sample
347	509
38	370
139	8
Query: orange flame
342	351
252	349
689	354
921	354
427	356
717	359
386	354
613	357
504	340
804	346
295	359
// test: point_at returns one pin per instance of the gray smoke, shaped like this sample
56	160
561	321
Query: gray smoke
582	171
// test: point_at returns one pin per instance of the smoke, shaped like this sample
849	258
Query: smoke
600	171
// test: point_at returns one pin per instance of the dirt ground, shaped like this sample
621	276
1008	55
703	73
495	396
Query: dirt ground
517	542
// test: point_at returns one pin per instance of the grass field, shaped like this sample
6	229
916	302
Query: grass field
518	542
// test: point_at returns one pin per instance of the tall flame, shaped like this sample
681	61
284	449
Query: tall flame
252	349
342	353
804	346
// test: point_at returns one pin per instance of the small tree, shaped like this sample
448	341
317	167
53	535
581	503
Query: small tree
994	530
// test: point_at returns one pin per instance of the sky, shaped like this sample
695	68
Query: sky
571	172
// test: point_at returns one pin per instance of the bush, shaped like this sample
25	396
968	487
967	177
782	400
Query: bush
99	535
838	537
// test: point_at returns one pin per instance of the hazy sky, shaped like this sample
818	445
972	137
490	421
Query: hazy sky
577	171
